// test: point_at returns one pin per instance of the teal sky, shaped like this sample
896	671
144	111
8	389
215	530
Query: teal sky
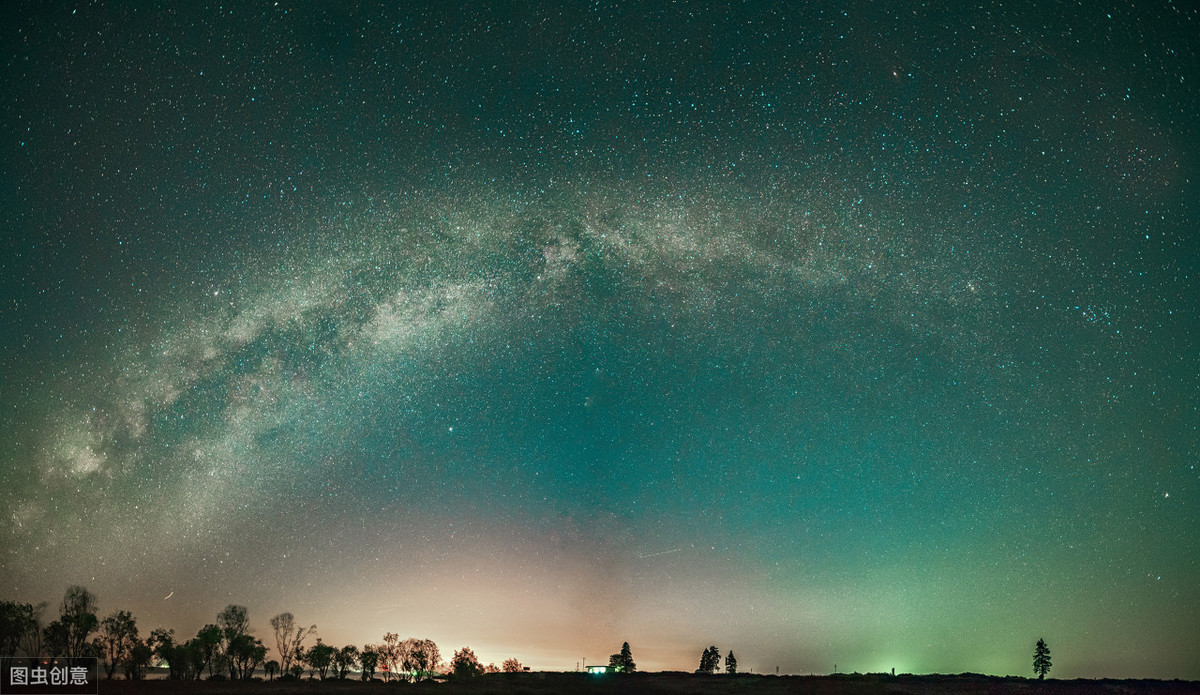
829	335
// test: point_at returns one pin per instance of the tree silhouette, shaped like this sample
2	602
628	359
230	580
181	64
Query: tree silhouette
184	661
191	657
430	656
320	657
77	614
730	663
304	660
389	654
710	660
1041	659
289	638
234	622
512	666
207	646
11	628
419	657
137	660
622	661
369	660
32	642
344	660
271	668
17	620
162	646
56	638
464	664
244	654
116	641
408	657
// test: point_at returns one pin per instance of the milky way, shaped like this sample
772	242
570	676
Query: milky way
862	337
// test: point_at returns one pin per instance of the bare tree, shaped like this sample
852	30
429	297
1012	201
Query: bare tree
289	638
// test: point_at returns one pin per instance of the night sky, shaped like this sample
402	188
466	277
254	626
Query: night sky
862	334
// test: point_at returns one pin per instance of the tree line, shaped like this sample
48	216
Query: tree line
225	649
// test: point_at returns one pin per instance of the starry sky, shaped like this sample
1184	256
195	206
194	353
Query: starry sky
830	333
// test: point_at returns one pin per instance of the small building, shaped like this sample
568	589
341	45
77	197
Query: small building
598	670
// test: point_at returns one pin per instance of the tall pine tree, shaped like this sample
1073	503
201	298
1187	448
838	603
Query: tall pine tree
1041	659
623	662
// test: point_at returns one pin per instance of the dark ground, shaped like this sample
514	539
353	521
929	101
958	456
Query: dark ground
669	684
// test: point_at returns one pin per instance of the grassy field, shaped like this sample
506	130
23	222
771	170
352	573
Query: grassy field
670	684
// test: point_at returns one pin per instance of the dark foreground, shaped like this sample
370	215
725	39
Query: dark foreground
669	684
